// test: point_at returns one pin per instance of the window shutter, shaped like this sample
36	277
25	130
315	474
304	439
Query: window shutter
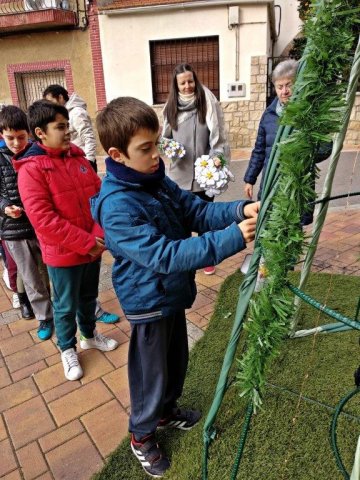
202	53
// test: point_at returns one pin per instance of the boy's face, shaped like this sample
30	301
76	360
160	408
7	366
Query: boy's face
57	133
16	140
142	155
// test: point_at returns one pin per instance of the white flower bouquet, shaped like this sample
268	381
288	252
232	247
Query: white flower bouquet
212	174
171	149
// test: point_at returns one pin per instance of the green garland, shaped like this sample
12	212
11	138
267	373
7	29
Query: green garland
314	114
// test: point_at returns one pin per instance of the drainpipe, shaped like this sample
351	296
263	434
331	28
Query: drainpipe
237	49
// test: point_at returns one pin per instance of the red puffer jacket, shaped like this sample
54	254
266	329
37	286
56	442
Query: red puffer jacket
55	188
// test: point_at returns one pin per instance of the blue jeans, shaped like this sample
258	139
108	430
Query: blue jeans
75	290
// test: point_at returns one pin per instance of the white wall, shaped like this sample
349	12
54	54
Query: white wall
290	24
125	44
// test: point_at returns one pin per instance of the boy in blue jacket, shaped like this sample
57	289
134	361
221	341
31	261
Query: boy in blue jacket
148	222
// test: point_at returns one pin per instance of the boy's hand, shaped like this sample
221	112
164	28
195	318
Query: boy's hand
251	210
248	228
98	248
248	189
13	211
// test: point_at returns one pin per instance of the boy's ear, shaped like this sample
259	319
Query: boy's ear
116	155
39	133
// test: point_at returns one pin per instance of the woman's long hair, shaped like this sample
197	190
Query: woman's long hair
171	109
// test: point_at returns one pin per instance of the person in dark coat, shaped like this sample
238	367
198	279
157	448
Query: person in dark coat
16	230
283	78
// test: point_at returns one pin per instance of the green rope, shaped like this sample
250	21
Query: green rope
323	308
357	311
243	435
207	442
333	436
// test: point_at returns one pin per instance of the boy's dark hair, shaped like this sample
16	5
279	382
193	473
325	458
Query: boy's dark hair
119	121
55	91
42	112
13	118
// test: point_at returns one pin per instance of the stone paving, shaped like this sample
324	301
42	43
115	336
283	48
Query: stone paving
47	424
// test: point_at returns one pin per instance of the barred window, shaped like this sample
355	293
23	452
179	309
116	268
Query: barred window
30	85
202	53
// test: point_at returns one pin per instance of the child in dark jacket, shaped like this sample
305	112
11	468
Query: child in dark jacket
148	220
55	183
16	230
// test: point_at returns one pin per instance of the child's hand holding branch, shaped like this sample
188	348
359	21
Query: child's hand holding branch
251	210
248	226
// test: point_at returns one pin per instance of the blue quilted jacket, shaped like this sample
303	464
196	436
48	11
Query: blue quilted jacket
260	155
268	126
149	236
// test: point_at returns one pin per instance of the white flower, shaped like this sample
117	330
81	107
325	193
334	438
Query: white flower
171	149
214	179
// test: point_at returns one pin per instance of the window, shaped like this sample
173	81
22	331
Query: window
30	85
202	53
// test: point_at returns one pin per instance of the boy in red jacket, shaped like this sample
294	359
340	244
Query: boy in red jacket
55	184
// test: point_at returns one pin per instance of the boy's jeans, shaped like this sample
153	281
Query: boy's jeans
158	358
75	290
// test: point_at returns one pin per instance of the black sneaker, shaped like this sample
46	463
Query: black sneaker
150	455
181	418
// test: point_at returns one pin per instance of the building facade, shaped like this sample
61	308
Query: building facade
50	41
129	47
232	45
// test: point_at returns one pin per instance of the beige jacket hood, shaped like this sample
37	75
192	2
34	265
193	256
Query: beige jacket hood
81	129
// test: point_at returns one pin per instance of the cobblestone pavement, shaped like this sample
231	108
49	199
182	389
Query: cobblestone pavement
47	423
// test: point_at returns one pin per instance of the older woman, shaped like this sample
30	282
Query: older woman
193	117
283	78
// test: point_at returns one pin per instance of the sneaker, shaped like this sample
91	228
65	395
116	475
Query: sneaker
99	341
72	367
107	317
45	329
209	270
15	301
181	419
150	455
6	278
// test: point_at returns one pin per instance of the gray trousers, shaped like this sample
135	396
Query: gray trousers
27	256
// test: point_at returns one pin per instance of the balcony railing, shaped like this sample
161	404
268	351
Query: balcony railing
24	15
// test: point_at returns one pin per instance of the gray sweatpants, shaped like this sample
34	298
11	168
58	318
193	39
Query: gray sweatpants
27	256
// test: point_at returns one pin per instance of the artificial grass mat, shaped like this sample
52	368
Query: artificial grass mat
289	438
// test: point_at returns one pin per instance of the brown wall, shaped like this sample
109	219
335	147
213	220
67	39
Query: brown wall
51	46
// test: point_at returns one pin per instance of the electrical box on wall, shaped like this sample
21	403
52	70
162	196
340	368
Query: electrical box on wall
236	89
234	16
